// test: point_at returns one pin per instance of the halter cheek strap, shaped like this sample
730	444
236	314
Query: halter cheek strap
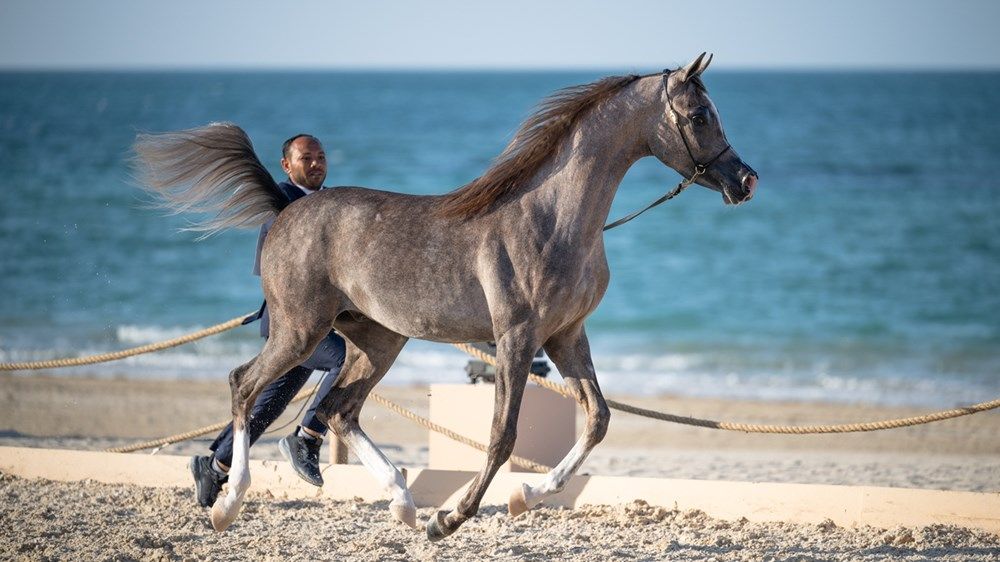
699	168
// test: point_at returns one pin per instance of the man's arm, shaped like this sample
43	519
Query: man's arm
264	229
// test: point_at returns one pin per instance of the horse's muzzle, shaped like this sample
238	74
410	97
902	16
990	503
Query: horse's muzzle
749	185
737	195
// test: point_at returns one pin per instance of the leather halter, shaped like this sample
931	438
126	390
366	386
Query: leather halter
699	168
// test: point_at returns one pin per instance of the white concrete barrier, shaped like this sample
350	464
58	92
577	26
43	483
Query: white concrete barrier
546	426
846	506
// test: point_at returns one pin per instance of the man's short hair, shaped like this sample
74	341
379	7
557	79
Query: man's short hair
288	143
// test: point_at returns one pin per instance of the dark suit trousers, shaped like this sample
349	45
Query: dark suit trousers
275	398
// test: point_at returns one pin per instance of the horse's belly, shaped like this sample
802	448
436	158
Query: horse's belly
445	316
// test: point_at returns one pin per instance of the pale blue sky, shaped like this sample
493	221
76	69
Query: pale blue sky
636	34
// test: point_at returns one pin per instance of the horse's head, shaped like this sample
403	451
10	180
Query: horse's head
688	136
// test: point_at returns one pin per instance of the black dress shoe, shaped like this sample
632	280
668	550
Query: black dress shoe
303	454
207	482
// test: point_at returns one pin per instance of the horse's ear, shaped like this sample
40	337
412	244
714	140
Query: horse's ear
696	67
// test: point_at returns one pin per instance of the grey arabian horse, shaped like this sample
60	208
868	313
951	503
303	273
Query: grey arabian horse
515	256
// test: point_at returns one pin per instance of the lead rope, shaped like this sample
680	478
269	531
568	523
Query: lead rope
699	169
680	187
750	427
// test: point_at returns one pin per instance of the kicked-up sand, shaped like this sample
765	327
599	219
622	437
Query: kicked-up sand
44	520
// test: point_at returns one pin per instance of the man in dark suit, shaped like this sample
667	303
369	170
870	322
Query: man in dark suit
304	160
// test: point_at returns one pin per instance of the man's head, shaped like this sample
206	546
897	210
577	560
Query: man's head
303	159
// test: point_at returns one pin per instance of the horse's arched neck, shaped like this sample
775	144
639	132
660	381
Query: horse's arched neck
579	184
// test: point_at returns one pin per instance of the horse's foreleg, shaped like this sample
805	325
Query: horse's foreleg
371	349
571	355
514	356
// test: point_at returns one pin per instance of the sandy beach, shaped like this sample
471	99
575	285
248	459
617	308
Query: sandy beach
93	414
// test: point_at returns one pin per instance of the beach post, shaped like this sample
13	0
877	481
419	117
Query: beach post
546	426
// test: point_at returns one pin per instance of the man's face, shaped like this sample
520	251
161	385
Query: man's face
306	163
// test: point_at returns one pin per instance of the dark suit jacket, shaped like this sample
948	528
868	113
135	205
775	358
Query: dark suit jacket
292	193
330	352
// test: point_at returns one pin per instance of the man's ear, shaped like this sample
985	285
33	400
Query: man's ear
286	165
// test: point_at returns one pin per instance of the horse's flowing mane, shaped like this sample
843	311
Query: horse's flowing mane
531	146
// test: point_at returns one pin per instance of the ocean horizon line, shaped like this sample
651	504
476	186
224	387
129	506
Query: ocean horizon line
390	69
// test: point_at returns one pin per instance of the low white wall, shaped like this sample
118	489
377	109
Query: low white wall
799	503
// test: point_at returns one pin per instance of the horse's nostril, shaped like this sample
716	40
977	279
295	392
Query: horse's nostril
749	182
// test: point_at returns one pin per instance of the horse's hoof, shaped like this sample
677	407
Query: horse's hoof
436	528
404	513
518	503
221	517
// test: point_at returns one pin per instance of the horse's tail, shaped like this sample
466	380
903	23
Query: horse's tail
210	169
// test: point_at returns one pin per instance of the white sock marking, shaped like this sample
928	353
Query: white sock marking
239	472
379	466
556	479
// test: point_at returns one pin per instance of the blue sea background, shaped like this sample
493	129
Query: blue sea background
866	269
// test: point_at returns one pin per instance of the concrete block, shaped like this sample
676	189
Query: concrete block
546	426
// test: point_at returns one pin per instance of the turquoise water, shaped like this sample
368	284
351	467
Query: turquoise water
867	268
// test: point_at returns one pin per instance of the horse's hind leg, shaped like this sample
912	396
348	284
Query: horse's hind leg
371	350
241	444
515	351
286	348
570	352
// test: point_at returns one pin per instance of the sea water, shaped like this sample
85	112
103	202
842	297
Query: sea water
867	267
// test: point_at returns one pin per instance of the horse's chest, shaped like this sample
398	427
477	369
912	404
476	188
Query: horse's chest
551	284
569	290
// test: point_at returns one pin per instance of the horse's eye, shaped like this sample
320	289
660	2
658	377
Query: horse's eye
699	120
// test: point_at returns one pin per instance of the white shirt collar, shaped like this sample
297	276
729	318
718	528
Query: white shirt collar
305	190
